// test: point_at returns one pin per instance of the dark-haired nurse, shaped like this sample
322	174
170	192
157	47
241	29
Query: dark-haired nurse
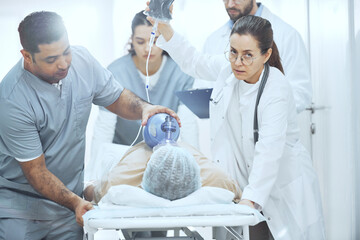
165	78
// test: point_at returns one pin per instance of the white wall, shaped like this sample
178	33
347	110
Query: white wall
332	37
356	109
89	23
332	54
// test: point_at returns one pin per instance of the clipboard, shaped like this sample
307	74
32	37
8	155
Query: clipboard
197	100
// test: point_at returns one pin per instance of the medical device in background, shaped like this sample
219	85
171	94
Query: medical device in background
161	129
160	11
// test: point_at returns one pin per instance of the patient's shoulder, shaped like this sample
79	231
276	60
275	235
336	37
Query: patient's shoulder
211	174
191	149
139	152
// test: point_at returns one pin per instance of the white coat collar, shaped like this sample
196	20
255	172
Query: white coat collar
224	90
232	80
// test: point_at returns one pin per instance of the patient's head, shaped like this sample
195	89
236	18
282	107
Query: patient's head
171	173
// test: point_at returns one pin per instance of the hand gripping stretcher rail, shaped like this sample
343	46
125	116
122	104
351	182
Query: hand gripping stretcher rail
235	218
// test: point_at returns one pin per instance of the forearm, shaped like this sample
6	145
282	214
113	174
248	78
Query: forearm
131	107
190	60
128	106
166	30
47	184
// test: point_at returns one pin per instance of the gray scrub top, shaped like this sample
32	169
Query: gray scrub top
171	79
36	118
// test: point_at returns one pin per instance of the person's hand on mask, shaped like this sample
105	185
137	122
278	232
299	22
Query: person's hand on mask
150	110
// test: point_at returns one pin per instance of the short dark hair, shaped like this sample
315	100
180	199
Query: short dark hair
261	30
40	28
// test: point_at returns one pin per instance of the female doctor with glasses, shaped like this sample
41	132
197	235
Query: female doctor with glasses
255	136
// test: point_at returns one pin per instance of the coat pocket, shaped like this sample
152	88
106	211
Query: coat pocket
82	111
299	206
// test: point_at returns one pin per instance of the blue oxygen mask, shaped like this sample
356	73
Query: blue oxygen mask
161	129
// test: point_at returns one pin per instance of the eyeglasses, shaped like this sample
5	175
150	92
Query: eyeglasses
246	59
235	1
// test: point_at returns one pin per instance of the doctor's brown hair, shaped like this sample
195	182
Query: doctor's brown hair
261	30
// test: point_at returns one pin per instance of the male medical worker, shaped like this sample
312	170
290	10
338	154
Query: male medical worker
293	54
45	102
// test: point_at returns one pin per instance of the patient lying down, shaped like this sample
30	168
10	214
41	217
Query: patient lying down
170	172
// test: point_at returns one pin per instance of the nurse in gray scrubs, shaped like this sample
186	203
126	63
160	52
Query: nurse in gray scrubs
166	78
45	102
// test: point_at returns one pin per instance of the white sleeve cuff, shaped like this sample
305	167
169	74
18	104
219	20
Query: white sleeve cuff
173	43
27	159
257	207
251	195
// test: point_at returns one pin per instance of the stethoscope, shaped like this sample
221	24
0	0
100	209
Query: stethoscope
264	78
260	91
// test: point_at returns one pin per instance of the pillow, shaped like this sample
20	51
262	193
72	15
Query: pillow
125	195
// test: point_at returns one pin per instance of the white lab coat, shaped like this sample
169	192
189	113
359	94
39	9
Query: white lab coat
293	54
277	173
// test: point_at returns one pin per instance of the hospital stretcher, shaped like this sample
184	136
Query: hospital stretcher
207	207
128	219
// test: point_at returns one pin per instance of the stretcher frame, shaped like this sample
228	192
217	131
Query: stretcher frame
129	224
